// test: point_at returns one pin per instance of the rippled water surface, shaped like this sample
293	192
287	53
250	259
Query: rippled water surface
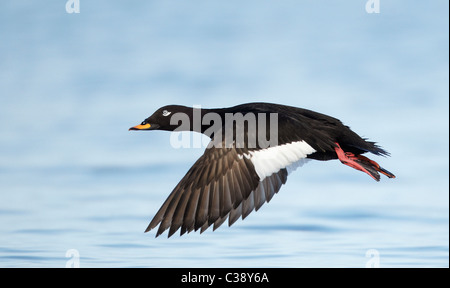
77	188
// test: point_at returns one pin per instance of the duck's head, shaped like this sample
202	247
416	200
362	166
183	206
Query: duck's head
160	120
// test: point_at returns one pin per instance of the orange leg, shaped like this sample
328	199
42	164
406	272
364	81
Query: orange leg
349	158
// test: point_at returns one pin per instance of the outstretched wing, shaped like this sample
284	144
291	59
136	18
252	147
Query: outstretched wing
217	183
227	183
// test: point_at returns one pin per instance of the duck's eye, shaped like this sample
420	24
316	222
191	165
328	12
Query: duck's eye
143	123
166	113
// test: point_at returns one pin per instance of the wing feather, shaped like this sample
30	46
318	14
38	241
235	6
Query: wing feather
221	185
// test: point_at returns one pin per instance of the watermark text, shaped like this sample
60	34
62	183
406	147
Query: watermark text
73	6
249	130
74	258
373	6
374	258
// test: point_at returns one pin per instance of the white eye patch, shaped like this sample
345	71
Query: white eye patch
166	113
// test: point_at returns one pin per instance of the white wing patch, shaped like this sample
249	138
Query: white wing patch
273	159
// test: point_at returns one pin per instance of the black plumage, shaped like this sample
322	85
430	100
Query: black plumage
224	182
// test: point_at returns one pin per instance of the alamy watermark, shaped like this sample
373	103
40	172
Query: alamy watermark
374	258
249	130
373	6
73	6
74	258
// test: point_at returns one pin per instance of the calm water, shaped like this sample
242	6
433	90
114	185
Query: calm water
77	187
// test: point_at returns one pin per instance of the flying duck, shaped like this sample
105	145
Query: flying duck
253	149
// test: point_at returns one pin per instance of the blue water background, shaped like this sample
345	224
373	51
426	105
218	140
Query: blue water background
73	177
